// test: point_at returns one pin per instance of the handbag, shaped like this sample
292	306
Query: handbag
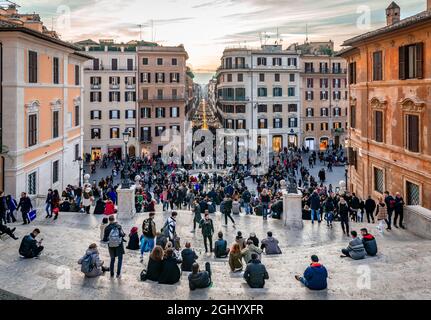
31	215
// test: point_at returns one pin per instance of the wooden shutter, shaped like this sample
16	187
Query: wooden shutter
91	115
419	60
413	133
378	123
402	63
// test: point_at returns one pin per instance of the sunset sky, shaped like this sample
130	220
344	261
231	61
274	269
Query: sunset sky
206	27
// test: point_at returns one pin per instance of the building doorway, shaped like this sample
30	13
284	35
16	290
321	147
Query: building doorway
310	144
132	151
96	154
277	143
293	141
324	143
115	152
337	141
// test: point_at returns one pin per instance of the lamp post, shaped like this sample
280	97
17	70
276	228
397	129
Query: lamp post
125	184
80	163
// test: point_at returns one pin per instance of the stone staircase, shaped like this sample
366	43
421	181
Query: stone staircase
398	272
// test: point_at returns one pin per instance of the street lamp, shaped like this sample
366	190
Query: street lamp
125	184
80	163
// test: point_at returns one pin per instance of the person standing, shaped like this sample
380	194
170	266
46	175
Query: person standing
11	207
148	235
48	203
114	235
197	217
370	206
25	205
207	226
3	208
390	206
265	199
381	214
246	198
55	204
343	211
226	208
315	207
399	210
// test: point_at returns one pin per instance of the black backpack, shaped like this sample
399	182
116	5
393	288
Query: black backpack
147	228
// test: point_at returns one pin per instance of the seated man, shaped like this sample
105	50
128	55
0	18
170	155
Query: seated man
30	248
6	230
369	242
270	244
220	247
355	249
315	276
200	279
255	273
189	257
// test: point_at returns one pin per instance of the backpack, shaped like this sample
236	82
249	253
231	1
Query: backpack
165	229
147	228
115	238
87	264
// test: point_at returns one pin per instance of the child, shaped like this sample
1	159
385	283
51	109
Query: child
103	227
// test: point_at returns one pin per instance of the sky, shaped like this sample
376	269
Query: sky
206	27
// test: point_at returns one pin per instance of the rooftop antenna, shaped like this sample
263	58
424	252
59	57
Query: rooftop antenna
277	37
140	31
306	33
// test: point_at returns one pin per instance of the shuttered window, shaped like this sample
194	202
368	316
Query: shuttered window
55	71
32	67
377	66
411	61
77	75
55	128
352	73
32	130
412	132
378	126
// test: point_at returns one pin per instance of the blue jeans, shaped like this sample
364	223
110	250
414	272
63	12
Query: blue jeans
303	281
48	209
329	217
120	264
247	208
265	209
313	214
147	245
78	201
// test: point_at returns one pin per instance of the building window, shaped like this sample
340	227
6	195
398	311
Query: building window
240	77
129	96
292	108
95	96
293	122
240	109
77	116
174	77
114	96
96	133
145	134
277	123
292	62
229	77
114	64
130	114
31	181
324	126
377	66
160	77
145	77
262	92
309	127
95	81
291	92
262	123
310	83
114	114
77	75
337	112
379	180
32	67
114	82
261	61
309	112
160	112
292	77
324	95
175	112
145	61
95	114
159	130
411	61
353	116
352	73
55	71
130	64
412	132
228	109
276	62
277	108
132	131
114	133
276	77
55	124
324	112
159	61
55	171
412	194
240	124
378	126
277	92
146	113
174	61
262	108
32	130
261	77
96	64
309	95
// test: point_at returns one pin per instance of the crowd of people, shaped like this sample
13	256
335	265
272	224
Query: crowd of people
173	187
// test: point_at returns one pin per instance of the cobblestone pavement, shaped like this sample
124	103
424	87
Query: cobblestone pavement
400	271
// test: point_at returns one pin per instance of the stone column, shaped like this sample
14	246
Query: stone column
292	210
126	202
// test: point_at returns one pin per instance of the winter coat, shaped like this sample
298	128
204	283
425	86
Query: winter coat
315	201
370	244
28	246
235	262
316	276
114	252
220	248
247	252
207	227
170	274
255	274
226	205
382	212
255	240
199	280
399	205
197	213
100	207
133	242
370	205
188	258
109	208
96	262
356	249
270	245
154	269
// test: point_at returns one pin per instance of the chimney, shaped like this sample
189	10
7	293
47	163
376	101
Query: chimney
393	13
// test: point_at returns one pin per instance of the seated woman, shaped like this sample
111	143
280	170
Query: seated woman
235	258
133	239
109	207
91	265
170	271
100	206
155	264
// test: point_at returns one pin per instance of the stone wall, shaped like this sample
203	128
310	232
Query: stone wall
418	221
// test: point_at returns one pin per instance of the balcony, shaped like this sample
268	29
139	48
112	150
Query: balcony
233	99
114	86
146	140
95	86
130	86
234	66
337	131
325	71
163	98
110	69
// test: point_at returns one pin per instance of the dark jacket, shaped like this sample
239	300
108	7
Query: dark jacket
154	269
199	280
399	205
170	272
255	274
220	248
226	205
133	242
370	205
315	201
370	244
114	252
207	227
270	245
28	246
188	257
100	207
316	276
25	204
255	240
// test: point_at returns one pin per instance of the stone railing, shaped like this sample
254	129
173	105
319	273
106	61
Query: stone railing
418	221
